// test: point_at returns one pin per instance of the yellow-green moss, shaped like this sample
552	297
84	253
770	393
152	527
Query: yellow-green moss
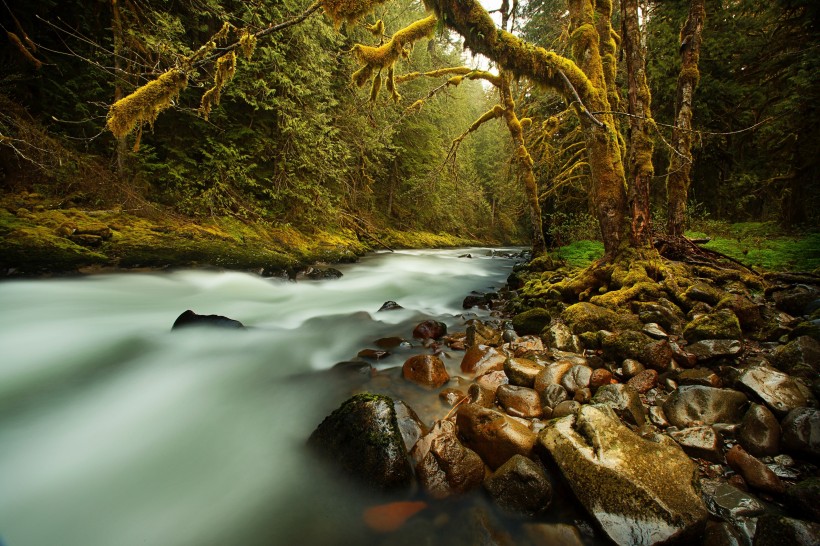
144	105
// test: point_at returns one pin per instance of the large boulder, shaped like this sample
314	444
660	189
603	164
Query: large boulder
799	356
615	474
695	404
801	431
493	435
445	467
362	438
759	431
663	312
623	400
189	318
775	530
754	472
721	324
777	390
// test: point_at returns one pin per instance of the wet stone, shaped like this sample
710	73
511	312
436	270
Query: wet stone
481	396
683	357
392	343
623	400
522	371
445	467
759	431
576	378
567	407
390	306
429	329
480	359
774	530
560	337
631	367
700	376
411	427
553	534
701	442
755	473
519	401
451	397
526	344
616	476
425	370
730	504
654	330
583	396
657	417
493	435
712	349
801	431
599	378
804	498
552	395
552	374
644	381
694	404
373	354
720	533
779	391
520	486
480	333
801	353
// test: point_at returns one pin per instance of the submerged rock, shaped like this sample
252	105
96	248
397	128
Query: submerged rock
425	370
189	318
390	305
429	329
363	439
618	478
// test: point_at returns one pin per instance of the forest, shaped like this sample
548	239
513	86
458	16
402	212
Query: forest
575	285
287	145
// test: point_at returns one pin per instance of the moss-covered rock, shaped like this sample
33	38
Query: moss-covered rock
531	322
747	312
588	317
721	324
618	346
701	291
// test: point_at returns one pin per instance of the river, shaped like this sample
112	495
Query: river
114	431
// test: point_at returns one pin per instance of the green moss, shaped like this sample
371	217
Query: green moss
586	317
531	322
580	253
721	324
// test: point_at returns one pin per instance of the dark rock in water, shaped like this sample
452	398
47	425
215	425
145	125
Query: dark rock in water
692	404
445	467
801	431
392	343
493	435
623	400
410	425
701	442
474	300
519	401
756	474
451	397
732	505
373	354
320	274
773	530
390	306
759	432
429	329
189	318
466	256
480	333
531	322
425	370
520	486
619	479
804	498
363	439
779	391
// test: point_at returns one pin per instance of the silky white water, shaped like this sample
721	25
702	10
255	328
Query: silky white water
114	431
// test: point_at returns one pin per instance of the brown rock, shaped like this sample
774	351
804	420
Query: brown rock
657	355
373	354
480	359
520	486
451	397
481	396
429	329
493	435
526	344
522	371
756	474
425	370
599	378
445	467
552	374
479	333
644	381
519	401
392	342
492	380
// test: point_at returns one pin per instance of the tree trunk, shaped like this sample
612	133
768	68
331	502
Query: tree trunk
116	28
680	165
524	160
639	158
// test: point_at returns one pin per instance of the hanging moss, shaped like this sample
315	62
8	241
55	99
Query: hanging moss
385	55
225	70
375	88
247	42
348	11
145	104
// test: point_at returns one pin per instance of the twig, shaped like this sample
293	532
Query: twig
589	114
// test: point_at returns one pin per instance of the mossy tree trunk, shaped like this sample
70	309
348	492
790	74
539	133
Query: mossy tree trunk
639	156
552	71
524	160
680	165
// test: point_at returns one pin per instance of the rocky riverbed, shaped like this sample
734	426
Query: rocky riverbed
691	421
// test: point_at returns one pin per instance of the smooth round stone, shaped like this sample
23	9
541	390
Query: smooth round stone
759	431
552	395
567	407
631	367
519	401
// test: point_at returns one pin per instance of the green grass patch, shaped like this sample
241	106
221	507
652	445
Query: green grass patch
763	245
580	253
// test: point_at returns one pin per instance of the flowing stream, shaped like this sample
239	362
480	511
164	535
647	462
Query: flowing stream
114	431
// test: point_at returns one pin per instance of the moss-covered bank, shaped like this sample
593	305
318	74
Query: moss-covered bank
39	237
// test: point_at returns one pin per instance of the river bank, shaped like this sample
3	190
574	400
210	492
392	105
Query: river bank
40	236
